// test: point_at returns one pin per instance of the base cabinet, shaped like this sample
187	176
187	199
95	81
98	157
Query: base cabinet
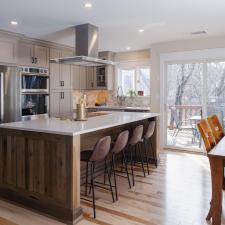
61	103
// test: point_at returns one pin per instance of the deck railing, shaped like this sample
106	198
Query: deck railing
183	114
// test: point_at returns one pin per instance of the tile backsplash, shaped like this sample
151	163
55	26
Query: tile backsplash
137	101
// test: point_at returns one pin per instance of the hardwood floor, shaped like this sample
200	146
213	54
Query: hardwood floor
176	193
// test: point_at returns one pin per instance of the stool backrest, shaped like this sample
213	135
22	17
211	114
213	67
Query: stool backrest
121	142
150	130
216	127
136	135
101	149
206	134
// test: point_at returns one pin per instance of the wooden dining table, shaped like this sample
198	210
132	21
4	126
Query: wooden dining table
216	158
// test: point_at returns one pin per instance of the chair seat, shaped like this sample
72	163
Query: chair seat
86	155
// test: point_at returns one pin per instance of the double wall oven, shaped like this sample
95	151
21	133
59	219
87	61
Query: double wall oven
34	92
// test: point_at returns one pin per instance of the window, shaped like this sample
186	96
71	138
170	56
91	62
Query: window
134	79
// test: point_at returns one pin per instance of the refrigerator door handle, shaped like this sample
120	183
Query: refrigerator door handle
2	97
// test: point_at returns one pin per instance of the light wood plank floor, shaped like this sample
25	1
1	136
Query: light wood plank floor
176	193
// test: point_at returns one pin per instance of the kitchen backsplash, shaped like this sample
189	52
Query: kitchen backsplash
137	101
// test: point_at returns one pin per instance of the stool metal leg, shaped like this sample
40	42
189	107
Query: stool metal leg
142	162
131	163
146	156
93	188
114	174
110	184
125	163
86	184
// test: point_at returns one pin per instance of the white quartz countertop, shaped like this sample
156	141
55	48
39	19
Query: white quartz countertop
68	127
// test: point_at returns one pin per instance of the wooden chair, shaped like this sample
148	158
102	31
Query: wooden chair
209	142
216	127
218	133
206	134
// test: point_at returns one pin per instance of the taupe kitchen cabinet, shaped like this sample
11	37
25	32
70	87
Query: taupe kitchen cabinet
60	74
100	78
79	77
90	78
61	103
8	51
30	54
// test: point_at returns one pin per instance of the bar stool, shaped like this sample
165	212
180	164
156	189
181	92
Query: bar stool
117	148
147	137
134	142
216	127
98	154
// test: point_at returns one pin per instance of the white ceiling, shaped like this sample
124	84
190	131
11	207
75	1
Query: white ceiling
118	20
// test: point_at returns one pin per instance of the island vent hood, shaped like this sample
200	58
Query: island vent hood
86	36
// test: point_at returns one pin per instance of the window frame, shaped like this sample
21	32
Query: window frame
136	66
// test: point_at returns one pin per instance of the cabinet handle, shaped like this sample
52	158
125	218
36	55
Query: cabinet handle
92	84
63	83
63	95
35	60
32	59
60	83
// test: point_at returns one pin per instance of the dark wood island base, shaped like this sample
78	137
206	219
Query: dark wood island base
42	171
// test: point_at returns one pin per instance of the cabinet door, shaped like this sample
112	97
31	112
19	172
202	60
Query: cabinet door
25	54
67	54
54	70
65	76
110	78
55	103
90	76
75	76
83	79
8	51
66	104
42	56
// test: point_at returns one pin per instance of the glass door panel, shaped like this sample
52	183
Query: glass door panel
216	89
184	105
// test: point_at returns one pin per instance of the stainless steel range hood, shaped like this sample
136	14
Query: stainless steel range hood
86	36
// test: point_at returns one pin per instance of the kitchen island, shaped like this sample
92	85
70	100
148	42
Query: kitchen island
40	164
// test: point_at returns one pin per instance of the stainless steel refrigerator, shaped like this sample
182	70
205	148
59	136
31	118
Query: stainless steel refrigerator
10	103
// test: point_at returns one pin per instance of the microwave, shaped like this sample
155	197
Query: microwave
34	79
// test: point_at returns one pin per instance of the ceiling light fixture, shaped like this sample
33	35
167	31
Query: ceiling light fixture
88	5
141	30
128	48
14	22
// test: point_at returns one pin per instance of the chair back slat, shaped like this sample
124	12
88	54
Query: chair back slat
206	134
216	127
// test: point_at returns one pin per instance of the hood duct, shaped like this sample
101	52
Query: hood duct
86	36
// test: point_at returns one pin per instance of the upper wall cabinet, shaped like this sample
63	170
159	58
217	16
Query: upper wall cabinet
60	74
8	51
33	55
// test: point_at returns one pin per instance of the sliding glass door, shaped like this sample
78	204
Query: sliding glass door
184	104
193	90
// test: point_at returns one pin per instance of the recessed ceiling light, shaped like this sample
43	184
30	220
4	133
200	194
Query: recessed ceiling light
141	30
128	48
88	5
14	22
